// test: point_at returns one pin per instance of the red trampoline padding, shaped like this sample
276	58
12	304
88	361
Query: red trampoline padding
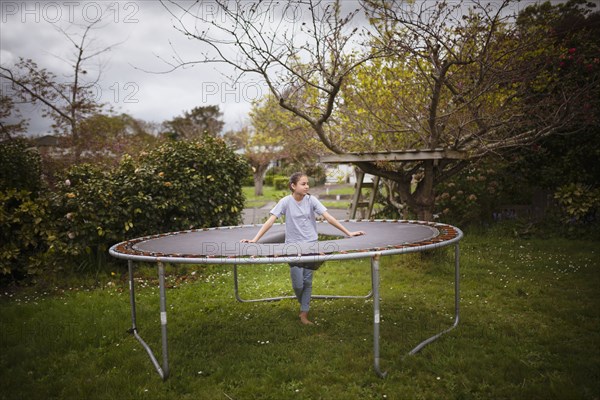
223	245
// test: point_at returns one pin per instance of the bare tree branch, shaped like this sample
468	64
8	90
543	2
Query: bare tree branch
297	59
68	101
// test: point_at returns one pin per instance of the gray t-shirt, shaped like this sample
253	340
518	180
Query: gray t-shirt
300	222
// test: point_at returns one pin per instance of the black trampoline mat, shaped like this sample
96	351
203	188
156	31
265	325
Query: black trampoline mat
226	242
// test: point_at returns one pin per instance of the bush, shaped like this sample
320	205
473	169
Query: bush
27	233
468	198
281	183
577	213
249	179
84	209
178	186
25	226
472	196
270	178
317	175
579	203
190	184
20	166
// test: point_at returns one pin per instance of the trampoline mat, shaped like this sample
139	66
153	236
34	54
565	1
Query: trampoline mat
226	242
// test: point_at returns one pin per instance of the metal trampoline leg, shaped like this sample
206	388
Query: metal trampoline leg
235	284
376	315
456	303
163	319
164	371
132	297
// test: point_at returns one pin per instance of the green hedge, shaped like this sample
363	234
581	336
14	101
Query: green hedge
26	235
270	178
20	166
281	183
25	227
177	186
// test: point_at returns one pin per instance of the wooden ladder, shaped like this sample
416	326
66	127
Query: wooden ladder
356	199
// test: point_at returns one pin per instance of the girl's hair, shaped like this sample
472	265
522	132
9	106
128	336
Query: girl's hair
295	178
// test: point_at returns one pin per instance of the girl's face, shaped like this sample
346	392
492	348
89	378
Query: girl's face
301	187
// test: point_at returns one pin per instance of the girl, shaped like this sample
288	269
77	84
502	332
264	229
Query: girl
300	227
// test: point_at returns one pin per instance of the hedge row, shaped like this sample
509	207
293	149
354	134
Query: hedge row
177	186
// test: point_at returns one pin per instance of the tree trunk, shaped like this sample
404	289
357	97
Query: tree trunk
421	202
425	214
424	194
259	175
258	185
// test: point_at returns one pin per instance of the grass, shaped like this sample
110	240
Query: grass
342	190
269	195
336	204
529	330
348	192
272	195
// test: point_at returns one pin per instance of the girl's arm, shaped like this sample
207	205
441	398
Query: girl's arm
336	223
263	229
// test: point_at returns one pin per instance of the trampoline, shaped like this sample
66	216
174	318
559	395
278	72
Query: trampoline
223	246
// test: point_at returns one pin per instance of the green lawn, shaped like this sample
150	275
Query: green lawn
343	190
530	329
269	194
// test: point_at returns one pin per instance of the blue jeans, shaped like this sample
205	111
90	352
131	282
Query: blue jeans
302	285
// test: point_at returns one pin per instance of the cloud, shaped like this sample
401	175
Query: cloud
145	36
131	78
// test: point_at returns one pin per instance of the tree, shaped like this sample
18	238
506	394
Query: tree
566	158
471	79
566	164
69	101
262	141
259	156
303	49
276	134
194	124
109	137
9	130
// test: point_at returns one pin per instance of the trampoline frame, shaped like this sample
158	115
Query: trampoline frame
374	254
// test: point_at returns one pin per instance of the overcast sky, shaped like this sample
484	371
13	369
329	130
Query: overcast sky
145	32
28	29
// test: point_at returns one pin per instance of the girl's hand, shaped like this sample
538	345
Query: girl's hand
247	241
357	233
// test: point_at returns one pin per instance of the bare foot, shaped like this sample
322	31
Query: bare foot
304	318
